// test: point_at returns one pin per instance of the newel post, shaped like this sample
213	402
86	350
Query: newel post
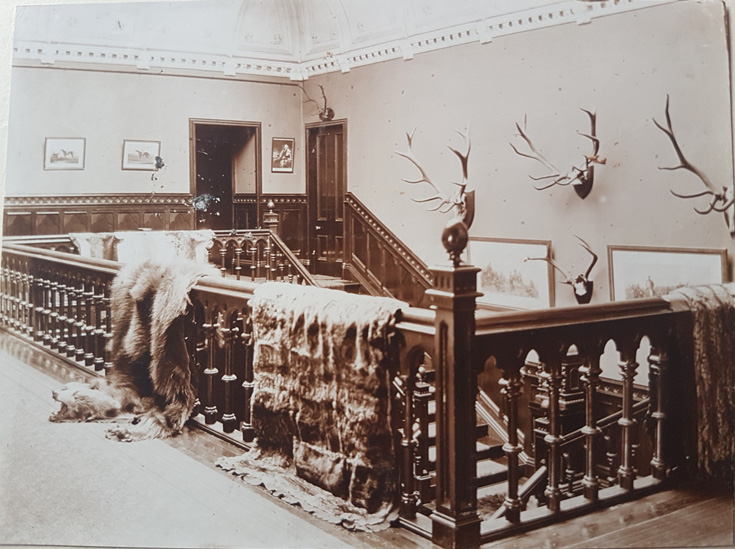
455	522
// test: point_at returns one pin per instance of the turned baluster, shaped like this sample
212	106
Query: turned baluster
628	366
229	335
74	296
15	320
46	312
409	496
248	384
64	314
223	258
422	396
3	295
268	259
238	257
253	252
54	327
30	298
553	377
107	305
658	363
511	390
591	378
99	331
89	324
210	327
80	321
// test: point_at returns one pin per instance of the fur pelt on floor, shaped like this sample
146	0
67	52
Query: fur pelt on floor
713	310
322	396
150	376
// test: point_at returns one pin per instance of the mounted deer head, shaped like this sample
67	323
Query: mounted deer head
325	112
580	177
581	284
721	200
455	234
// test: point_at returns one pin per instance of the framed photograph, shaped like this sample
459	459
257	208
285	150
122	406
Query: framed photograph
506	280
64	153
637	272
282	155
140	155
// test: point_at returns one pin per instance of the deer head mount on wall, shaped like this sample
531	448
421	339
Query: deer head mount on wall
325	112
721	200
581	284
581	177
461	203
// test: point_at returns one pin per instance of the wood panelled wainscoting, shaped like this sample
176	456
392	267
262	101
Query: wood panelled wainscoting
41	215
613	449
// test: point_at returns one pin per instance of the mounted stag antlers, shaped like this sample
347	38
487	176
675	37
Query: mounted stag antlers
581	177
325	112
721	201
581	284
462	202
456	232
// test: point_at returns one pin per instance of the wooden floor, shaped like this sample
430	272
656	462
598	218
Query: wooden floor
65	484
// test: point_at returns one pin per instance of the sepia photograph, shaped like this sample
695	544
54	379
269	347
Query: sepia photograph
367	273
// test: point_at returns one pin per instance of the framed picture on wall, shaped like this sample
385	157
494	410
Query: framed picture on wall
505	279
282	155
140	155
637	272
64	153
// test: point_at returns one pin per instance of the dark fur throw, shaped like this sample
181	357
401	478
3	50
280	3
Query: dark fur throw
322	397
150	377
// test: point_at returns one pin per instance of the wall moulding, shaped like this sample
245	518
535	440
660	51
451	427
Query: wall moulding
320	61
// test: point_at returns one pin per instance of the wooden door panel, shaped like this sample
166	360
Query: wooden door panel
326	189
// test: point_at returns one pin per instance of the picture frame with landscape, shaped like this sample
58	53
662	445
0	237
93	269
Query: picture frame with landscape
505	279
639	272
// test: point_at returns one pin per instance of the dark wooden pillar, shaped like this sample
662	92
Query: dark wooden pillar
455	522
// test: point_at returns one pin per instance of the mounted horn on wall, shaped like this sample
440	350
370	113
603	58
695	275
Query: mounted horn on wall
325	112
581	284
721	201
461	203
581	177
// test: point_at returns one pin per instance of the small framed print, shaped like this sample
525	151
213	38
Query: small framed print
140	155
637	272
505	279
282	155
64	153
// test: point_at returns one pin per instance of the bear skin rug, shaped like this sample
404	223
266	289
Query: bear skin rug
150	383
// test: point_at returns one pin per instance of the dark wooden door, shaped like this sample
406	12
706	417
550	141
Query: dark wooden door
326	182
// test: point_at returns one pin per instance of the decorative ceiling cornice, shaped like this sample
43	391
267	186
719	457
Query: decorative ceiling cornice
283	61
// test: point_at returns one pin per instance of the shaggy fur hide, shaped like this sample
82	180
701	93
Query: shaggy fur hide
713	309
322	399
96	245
150	376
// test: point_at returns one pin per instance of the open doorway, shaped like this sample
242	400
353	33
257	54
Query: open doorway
225	160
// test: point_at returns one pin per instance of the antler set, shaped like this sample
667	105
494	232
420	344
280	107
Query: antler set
325	113
581	177
581	283
461	201
720	200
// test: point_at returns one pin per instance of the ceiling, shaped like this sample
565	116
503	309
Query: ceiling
282	38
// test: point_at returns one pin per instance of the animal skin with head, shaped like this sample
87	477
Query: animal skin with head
151	376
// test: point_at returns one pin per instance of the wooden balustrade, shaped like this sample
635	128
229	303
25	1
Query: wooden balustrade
593	441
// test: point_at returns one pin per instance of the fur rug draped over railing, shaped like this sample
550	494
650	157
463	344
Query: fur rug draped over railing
713	309
321	404
136	246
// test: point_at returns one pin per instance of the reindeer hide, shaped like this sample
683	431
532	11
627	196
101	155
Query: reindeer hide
322	398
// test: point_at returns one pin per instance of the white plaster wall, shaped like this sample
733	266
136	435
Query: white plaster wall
623	66
106	108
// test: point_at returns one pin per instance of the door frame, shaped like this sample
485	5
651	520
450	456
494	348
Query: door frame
193	122
310	214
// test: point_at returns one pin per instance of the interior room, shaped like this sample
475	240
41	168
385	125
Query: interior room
509	225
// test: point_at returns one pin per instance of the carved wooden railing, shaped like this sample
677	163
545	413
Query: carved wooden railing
585	449
378	260
261	254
